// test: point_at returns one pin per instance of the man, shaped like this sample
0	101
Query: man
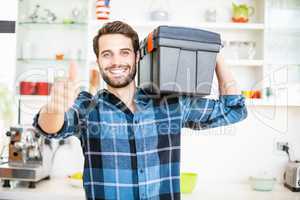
131	142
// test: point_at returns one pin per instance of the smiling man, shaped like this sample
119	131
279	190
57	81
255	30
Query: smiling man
130	141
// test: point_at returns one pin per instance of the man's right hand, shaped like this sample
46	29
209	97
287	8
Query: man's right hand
63	93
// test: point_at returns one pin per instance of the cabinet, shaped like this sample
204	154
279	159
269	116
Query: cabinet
49	35
282	44
272	29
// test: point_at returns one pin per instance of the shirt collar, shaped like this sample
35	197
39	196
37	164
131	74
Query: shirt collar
141	98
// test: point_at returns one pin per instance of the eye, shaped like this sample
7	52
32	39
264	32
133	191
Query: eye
106	55
125	53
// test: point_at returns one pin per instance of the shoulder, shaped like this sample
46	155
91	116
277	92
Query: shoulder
83	100
84	95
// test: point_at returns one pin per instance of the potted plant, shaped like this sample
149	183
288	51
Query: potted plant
6	113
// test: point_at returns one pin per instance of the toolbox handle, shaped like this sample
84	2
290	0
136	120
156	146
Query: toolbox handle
147	45
150	43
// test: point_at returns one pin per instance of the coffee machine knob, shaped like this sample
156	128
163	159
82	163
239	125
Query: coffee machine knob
8	133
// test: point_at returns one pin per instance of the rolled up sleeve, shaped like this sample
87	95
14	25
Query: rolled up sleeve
68	129
201	113
72	118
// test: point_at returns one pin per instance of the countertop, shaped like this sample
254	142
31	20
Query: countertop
56	189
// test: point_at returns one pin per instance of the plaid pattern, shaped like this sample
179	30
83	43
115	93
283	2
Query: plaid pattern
137	155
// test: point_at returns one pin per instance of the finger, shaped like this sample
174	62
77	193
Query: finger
94	78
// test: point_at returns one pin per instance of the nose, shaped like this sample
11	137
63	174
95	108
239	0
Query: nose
116	60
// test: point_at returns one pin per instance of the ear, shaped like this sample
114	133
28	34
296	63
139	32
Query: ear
98	63
137	57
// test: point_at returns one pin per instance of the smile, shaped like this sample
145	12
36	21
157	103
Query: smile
118	71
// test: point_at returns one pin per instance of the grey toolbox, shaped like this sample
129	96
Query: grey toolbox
178	60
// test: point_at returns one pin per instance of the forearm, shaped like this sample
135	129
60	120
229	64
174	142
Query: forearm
50	122
227	83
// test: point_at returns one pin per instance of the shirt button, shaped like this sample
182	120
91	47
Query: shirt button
136	121
141	171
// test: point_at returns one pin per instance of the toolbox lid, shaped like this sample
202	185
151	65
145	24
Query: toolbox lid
181	37
188	34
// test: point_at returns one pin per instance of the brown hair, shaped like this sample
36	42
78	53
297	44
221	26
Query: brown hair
117	27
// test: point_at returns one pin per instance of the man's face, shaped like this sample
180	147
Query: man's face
117	60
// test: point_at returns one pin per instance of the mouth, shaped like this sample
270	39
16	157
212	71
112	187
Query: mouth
118	71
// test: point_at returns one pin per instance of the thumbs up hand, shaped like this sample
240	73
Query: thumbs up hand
64	91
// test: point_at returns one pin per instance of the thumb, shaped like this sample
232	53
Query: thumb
73	71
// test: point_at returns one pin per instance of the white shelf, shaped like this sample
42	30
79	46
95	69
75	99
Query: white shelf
217	25
54	24
48	60
272	103
252	63
33	97
234	26
282	63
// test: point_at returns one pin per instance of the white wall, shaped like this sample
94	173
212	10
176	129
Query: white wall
232	154
8	11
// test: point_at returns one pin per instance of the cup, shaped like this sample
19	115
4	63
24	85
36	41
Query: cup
211	15
234	48
241	12
43	88
27	88
251	50
102	9
26	50
59	56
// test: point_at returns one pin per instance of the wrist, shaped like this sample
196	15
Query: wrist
53	108
229	88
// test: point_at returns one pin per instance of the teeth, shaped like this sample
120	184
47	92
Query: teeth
118	71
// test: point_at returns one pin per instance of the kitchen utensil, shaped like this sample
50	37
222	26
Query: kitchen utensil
159	10
68	21
252	94
211	15
291	176
49	17
188	182
59	56
251	50
27	88
34	17
43	88
76	14
268	92
75	180
241	12
234	49
159	15
29	157
27	50
262	183
75	183
102	9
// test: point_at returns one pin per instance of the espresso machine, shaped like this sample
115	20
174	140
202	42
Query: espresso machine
29	157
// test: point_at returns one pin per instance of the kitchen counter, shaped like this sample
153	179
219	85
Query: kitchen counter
57	189
239	192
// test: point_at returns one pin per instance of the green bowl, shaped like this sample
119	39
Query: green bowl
262	184
188	182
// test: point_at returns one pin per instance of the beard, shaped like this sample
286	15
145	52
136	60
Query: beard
124	81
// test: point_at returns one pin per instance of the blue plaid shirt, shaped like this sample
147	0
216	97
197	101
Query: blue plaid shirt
137	155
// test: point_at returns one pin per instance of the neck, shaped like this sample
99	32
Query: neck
126	94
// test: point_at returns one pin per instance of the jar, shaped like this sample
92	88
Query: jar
102	9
